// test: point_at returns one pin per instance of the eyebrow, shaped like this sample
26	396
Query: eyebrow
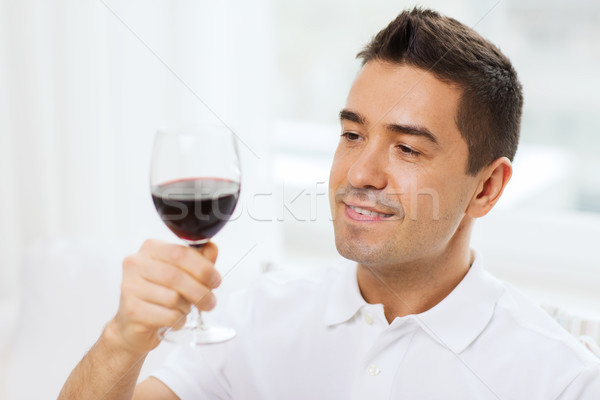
414	130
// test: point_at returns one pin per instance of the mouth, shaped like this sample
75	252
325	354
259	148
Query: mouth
365	214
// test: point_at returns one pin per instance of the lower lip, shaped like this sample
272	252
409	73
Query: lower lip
350	213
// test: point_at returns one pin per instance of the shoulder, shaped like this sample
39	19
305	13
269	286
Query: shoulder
289	284
537	329
281	294
532	350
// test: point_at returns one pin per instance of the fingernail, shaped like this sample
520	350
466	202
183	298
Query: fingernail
216	281
212	301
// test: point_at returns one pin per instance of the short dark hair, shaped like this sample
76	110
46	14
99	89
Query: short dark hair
491	103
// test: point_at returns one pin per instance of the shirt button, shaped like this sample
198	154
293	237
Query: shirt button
373	370
368	318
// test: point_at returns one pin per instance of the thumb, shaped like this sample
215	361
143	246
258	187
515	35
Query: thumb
210	251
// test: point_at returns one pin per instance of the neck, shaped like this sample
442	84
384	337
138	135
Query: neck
416	286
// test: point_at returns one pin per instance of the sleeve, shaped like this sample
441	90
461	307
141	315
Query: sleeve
196	372
201	372
586	386
215	371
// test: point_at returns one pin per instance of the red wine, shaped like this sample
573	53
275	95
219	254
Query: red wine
196	209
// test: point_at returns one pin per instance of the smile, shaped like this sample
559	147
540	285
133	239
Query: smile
362	211
356	213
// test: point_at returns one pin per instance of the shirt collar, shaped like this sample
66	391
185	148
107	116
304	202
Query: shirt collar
459	319
344	299
455	322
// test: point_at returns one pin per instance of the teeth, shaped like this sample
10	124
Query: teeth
367	212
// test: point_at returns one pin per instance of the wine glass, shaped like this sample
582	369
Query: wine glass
195	184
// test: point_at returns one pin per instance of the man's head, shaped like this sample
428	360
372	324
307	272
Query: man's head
489	111
428	130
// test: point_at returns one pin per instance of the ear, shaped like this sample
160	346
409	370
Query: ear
492	181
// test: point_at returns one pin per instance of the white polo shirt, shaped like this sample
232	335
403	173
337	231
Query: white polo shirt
314	337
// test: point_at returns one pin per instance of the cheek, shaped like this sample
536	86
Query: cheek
331	199
338	172
334	181
441	200
423	196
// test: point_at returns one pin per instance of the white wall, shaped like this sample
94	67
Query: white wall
84	86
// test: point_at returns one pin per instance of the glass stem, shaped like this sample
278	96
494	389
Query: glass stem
194	319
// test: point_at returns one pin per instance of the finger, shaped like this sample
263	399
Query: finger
210	251
188	259
161	296
171	277
150	315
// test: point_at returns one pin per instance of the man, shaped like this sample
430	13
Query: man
429	130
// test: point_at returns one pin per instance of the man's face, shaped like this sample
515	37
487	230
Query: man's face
398	186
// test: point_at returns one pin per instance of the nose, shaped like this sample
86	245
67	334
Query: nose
368	171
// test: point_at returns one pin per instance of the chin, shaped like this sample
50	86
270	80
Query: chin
362	253
378	251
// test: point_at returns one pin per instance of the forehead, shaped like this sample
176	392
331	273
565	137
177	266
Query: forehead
391	93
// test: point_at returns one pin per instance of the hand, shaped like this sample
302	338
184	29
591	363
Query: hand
160	282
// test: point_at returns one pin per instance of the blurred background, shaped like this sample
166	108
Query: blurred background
84	85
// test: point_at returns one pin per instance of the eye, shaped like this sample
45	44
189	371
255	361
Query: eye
407	151
351	136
